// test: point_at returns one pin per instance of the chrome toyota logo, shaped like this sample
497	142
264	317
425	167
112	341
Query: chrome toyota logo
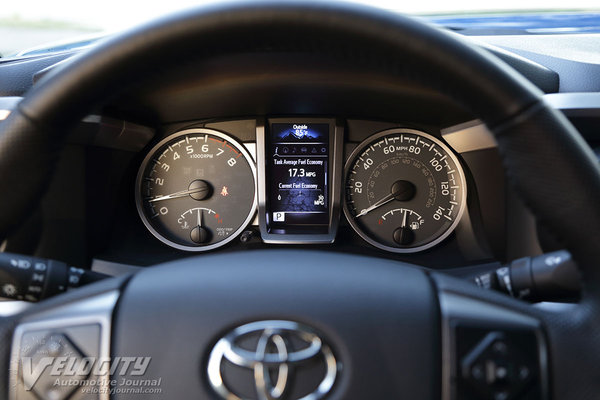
272	351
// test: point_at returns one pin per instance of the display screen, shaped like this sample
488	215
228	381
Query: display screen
299	155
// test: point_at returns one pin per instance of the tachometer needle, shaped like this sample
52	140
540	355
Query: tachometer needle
201	189
200	214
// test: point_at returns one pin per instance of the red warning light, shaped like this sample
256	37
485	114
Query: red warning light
224	191
380	222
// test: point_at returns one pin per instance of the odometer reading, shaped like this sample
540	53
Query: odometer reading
196	190
405	190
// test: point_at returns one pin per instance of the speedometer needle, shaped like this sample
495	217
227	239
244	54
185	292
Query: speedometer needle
400	190
378	204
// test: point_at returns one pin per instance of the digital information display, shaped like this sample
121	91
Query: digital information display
299	155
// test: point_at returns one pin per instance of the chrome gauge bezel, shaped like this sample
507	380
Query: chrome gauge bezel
148	158
462	206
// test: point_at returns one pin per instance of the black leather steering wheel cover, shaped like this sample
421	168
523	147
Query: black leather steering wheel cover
558	177
544	155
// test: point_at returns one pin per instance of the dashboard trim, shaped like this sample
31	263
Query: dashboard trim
575	104
7	105
469	136
474	135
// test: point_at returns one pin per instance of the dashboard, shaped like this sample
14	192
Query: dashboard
397	190
200	160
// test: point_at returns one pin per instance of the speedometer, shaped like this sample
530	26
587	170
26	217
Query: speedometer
196	190
405	190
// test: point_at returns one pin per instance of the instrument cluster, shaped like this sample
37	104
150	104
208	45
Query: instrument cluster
402	190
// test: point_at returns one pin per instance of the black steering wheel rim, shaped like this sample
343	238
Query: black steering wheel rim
545	157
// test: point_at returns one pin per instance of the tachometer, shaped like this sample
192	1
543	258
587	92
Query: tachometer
405	190
196	190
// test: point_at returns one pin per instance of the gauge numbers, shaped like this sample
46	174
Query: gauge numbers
196	190
405	190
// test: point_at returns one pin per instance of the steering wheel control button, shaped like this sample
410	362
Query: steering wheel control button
524	373
269	360
498	367
52	347
500	347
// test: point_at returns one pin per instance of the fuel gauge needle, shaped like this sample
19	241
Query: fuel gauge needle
404	235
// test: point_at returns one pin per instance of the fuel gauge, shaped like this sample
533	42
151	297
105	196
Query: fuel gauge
403	225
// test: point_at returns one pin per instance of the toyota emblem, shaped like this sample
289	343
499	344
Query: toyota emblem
272	354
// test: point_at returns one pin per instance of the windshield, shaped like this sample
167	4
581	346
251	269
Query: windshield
32	27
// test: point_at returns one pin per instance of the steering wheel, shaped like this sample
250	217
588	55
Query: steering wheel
306	324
